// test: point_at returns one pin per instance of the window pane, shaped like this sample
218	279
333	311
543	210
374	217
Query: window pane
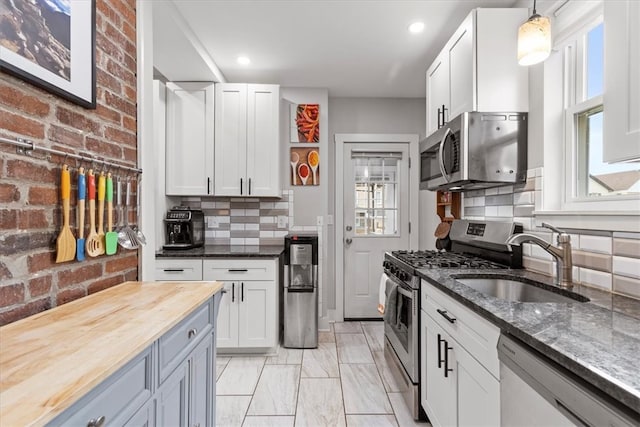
595	61
596	178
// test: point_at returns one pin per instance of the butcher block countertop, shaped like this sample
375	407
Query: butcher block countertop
50	360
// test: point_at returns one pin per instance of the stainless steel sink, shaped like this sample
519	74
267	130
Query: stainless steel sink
518	291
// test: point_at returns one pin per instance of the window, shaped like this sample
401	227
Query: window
376	196
589	178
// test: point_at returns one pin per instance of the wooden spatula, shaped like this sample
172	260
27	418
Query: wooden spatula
66	242
82	191
100	230
111	238
93	242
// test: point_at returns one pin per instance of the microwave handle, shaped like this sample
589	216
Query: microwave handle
441	156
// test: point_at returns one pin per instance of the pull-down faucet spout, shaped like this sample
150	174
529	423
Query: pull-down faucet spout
561	253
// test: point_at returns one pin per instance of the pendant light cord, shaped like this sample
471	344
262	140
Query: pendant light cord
534	7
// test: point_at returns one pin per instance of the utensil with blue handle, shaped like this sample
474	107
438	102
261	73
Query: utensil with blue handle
82	191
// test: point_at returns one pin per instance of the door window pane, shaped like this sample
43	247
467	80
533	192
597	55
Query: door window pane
376	195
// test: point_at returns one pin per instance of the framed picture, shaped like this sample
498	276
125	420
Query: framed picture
51	44
305	166
305	123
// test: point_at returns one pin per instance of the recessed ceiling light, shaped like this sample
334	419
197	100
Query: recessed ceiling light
243	60
416	27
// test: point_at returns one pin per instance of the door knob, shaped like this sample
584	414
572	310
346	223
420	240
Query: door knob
348	241
349	228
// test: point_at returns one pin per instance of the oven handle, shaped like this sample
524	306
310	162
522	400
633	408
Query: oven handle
401	287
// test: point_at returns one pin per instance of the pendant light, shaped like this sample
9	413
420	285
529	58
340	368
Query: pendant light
534	39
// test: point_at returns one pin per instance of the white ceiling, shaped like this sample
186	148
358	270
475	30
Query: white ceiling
355	48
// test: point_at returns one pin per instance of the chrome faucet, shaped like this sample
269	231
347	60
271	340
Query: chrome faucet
561	253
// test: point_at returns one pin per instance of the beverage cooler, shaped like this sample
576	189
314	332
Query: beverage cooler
301	291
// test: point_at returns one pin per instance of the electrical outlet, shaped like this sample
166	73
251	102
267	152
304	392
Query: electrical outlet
212	222
282	221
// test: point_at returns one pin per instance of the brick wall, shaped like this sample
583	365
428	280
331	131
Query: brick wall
30	216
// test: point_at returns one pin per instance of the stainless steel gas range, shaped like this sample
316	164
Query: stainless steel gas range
476	245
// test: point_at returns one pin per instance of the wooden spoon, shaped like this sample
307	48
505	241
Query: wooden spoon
93	242
66	243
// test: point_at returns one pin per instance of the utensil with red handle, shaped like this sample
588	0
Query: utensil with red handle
93	242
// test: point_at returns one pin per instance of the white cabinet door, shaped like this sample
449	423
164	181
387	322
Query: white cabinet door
189	155
622	68
227	323
461	66
231	140
440	391
263	154
478	392
257	314
437	91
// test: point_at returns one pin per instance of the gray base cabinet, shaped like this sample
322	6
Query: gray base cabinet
171	383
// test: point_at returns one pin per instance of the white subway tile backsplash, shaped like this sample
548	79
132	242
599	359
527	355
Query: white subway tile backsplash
468	202
237	241
629	267
491	192
596	244
538	252
224	219
223	234
491	211
505	211
252	227
524	198
507	189
281	205
252	212
527	223
596	278
223	205
266	205
208	205
209	234
252	241
538	200
538	183
279	233
267	234
531	173
237	212
237	226
268	220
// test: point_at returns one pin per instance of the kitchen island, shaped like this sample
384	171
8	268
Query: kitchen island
598	341
52	361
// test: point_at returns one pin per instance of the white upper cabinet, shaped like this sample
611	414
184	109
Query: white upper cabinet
477	70
190	139
622	84
247	145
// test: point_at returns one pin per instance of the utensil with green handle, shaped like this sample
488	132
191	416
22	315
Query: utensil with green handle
82	190
111	238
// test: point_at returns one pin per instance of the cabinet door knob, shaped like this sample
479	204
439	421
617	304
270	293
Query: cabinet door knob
96	422
192	332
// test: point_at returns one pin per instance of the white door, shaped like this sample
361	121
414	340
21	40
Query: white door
263	153
227	322
376	219
257	314
231	140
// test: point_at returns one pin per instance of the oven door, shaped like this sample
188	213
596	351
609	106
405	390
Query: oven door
402	331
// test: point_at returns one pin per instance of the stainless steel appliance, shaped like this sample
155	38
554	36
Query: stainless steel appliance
184	228
475	150
535	391
474	245
301	291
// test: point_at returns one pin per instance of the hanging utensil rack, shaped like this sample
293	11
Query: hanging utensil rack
27	147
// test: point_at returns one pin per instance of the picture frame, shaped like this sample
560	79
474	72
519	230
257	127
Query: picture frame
56	50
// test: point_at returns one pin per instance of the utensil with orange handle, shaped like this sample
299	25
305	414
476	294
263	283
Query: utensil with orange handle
66	242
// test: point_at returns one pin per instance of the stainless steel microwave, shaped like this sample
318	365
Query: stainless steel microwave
475	150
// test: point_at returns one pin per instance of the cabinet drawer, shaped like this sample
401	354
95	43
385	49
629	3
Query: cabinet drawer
176	344
178	269
116	399
232	270
476	334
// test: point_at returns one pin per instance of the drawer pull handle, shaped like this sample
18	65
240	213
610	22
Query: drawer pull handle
173	270
237	270
96	422
444	314
192	333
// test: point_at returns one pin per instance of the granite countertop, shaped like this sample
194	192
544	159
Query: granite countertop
51	359
217	251
598	340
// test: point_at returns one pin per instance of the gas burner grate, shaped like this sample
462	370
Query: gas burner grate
435	259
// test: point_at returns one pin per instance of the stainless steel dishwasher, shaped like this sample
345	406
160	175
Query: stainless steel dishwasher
535	391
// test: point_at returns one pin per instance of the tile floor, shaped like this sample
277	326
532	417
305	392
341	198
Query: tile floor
344	382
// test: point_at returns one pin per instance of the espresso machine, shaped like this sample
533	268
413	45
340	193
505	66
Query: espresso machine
184	228
301	291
